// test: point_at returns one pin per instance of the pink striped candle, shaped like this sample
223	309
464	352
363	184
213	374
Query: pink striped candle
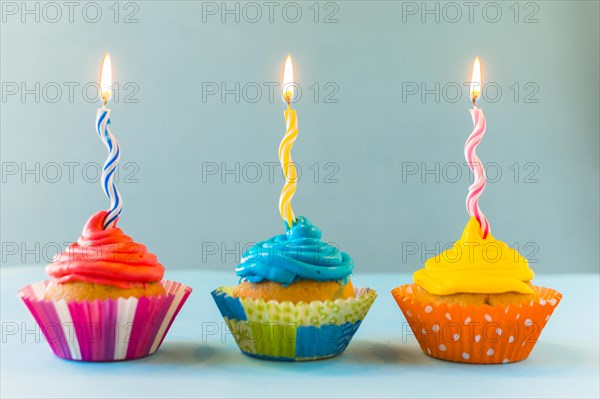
475	164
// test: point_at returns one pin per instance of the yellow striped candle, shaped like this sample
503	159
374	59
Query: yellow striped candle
285	148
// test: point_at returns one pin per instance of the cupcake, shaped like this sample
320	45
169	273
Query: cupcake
295	300
475	302
109	290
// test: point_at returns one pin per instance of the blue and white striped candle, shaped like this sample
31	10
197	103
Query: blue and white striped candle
114	150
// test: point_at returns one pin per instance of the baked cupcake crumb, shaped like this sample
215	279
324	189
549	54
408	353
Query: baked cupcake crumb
477	299
299	291
80	291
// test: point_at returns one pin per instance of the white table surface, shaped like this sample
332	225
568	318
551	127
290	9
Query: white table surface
379	362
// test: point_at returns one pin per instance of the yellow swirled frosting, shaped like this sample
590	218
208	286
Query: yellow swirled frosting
476	265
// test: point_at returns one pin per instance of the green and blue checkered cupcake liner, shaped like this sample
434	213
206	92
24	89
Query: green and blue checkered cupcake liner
293	332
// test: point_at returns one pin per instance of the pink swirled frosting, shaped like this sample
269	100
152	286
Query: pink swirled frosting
105	257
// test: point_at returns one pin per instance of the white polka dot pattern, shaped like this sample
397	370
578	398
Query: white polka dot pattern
480	334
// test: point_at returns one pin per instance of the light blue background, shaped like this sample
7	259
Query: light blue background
371	134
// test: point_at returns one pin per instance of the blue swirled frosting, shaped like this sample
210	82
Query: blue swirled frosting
297	254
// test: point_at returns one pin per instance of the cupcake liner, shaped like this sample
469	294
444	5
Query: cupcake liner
477	334
293	332
105	330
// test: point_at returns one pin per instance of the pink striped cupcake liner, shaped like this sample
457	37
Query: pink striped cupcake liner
105	330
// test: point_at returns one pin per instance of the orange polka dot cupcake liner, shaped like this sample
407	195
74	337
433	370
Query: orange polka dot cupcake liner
477	334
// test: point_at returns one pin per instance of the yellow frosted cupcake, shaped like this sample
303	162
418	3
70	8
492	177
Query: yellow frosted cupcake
475	302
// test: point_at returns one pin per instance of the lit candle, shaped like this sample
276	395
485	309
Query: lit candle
114	150
285	148
473	160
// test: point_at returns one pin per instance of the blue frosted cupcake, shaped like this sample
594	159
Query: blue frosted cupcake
295	300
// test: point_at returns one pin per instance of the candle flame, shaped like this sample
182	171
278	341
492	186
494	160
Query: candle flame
105	78
288	80
475	86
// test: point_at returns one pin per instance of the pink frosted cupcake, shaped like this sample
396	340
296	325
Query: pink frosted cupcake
106	299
